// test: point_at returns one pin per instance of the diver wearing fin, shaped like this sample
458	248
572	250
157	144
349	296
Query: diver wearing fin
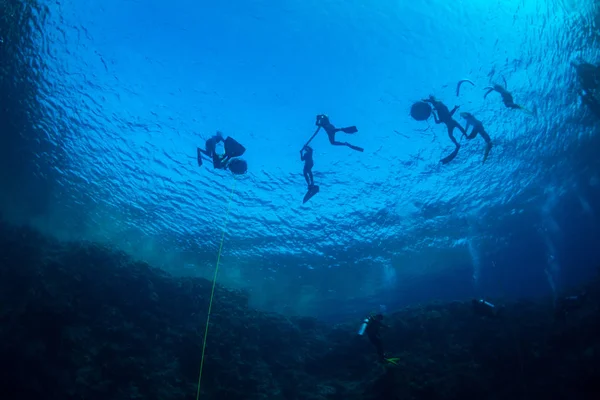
232	149
323	122
210	148
306	155
373	331
443	115
507	97
477	129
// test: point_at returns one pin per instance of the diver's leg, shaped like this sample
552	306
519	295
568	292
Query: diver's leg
332	140
310	176
459	126
355	147
306	176
451	136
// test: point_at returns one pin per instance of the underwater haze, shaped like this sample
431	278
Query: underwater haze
130	89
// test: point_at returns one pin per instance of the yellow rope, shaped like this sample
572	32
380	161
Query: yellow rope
212	293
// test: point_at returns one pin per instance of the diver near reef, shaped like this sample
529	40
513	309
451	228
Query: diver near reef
485	308
568	304
477	129
507	97
443	115
372	327
323	122
306	155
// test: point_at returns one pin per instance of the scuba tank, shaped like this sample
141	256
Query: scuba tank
363	327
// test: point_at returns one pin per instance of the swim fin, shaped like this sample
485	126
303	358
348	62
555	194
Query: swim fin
311	192
393	360
355	147
487	152
350	129
451	156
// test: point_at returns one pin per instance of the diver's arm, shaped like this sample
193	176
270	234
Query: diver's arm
302	158
435	117
454	110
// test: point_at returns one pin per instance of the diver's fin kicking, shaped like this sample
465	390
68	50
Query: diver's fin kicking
350	129
355	147
314	189
393	360
487	152
451	156
460	83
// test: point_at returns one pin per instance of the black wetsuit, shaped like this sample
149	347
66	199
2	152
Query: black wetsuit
306	155
444	116
373	332
507	98
210	149
323	122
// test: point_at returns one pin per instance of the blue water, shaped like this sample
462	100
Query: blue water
131	88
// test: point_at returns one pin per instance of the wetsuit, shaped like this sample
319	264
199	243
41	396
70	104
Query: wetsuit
323	122
373	332
210	149
507	98
306	155
477	129
444	116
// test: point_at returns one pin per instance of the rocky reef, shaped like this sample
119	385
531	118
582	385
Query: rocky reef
81	321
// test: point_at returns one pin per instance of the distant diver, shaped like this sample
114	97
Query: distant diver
460	83
372	326
306	155
569	304
588	76
485	308
507	97
323	122
477	129
443	115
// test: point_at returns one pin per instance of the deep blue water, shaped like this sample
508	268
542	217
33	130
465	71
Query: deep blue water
129	89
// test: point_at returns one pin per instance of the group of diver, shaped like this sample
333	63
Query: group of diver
589	82
373	325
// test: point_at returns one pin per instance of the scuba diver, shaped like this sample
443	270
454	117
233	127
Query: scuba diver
306	155
323	122
485	308
568	304
507	97
588	76
372	327
443	115
210	148
477	129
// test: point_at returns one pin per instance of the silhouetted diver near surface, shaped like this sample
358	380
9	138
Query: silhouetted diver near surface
323	122
507	97
477	129
444	116
210	148
306	155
